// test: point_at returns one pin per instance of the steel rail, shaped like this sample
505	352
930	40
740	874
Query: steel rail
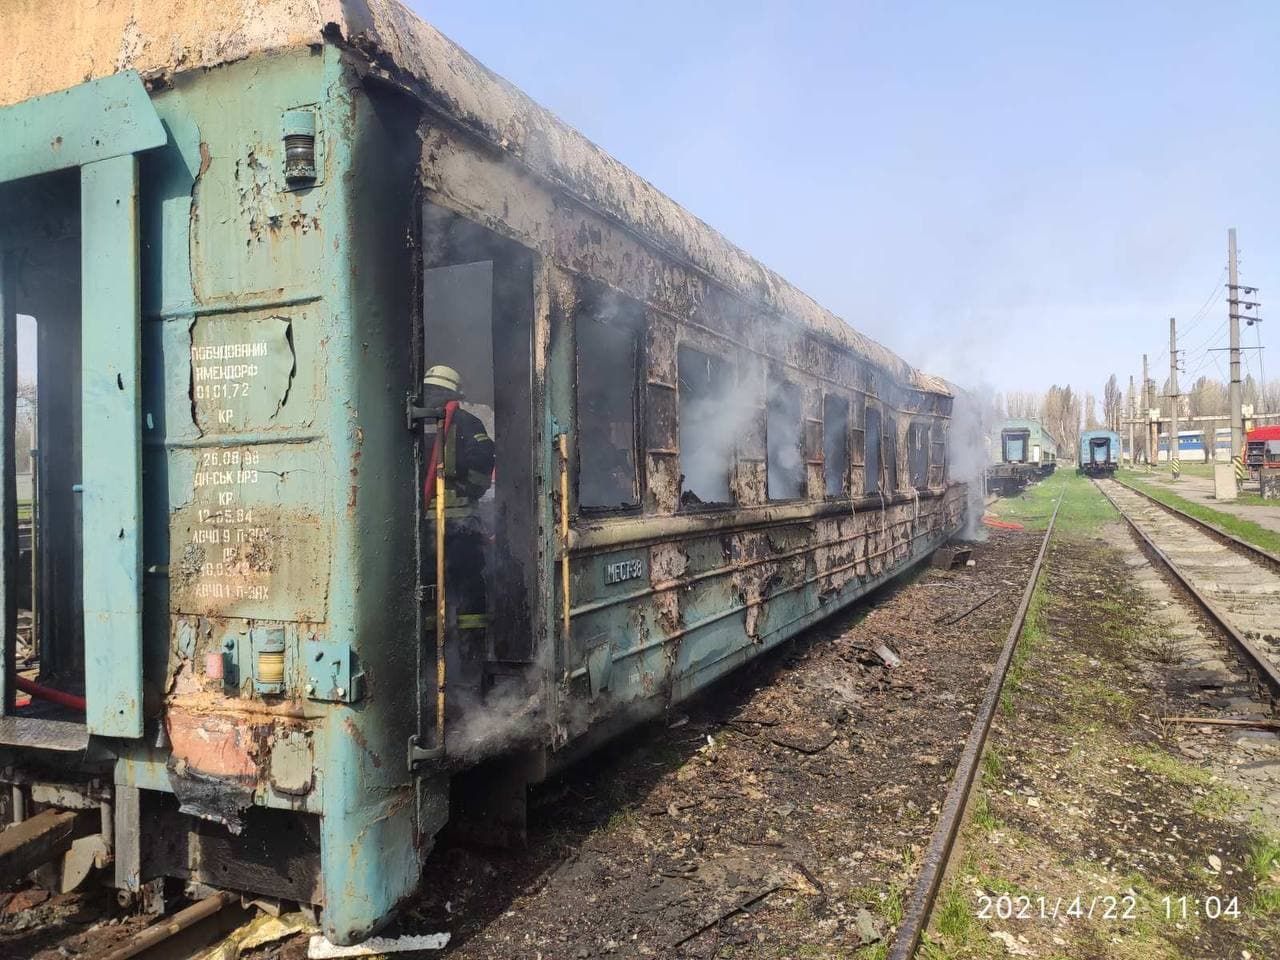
1251	654
933	866
1250	549
169	927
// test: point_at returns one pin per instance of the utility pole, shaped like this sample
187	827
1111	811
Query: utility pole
1235	393
1175	458
1133	414
1148	404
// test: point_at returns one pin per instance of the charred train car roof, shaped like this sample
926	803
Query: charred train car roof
95	38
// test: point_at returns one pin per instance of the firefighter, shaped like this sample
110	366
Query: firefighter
465	460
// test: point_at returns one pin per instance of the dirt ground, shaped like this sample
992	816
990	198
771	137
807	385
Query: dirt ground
1097	815
798	794
782	814
778	816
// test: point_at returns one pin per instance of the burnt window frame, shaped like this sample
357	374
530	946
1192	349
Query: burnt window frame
919	435
588	304
873	480
846	483
729	375
776	386
889	453
938	445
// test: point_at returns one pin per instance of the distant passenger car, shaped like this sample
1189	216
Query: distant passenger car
1099	453
1028	452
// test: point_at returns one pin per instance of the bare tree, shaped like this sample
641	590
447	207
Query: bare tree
1091	412
1207	398
1060	412
1271	397
1112	404
1022	405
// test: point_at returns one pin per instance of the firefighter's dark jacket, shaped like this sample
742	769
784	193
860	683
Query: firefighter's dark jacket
467	464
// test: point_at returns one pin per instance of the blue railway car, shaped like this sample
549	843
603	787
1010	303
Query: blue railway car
246	231
1099	453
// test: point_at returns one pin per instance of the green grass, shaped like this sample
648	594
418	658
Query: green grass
1191	468
983	816
1264	864
1246	530
1215	801
1084	510
955	915
1034	631
1172	769
992	764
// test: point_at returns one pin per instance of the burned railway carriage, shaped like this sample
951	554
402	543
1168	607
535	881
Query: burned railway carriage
239	246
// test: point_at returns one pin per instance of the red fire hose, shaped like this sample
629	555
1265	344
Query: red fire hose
992	522
437	451
69	700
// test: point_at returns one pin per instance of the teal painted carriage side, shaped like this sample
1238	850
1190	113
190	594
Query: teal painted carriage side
311	281
1040	436
266	321
277	471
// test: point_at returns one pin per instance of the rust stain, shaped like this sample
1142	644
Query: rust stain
213	745
360	740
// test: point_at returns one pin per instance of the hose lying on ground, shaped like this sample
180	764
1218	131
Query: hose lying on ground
62	699
990	521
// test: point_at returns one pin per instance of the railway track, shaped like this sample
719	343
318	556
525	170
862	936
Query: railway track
1235	583
934	864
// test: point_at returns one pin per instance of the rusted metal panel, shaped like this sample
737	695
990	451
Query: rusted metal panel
252	540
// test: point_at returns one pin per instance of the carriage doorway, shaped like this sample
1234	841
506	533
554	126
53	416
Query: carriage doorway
477	318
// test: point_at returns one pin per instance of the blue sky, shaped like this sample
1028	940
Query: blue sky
1016	194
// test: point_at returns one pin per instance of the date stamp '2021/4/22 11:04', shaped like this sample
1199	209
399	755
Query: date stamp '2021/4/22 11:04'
1119	907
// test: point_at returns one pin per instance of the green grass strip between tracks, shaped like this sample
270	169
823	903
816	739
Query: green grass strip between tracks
1246	530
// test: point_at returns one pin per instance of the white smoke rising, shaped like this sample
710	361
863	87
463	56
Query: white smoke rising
973	418
713	416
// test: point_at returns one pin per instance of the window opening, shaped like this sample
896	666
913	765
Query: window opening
890	435
40	280
607	332
918	455
707	434
784	437
872	452
938	455
835	444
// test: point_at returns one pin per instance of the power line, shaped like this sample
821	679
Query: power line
1214	295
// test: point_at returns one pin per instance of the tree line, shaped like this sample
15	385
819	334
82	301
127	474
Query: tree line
1066	413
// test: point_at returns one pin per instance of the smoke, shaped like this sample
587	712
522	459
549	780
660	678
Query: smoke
784	431
715	412
497	722
974	415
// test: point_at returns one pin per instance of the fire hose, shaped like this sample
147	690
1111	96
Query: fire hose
61	698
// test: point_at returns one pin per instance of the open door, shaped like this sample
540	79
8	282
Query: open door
69	273
477	313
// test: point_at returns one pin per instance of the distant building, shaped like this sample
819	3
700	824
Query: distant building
1191	445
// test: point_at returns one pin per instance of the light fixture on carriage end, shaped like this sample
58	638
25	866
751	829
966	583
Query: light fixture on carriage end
299	129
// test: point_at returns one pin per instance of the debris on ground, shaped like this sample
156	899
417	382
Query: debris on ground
319	947
783	813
